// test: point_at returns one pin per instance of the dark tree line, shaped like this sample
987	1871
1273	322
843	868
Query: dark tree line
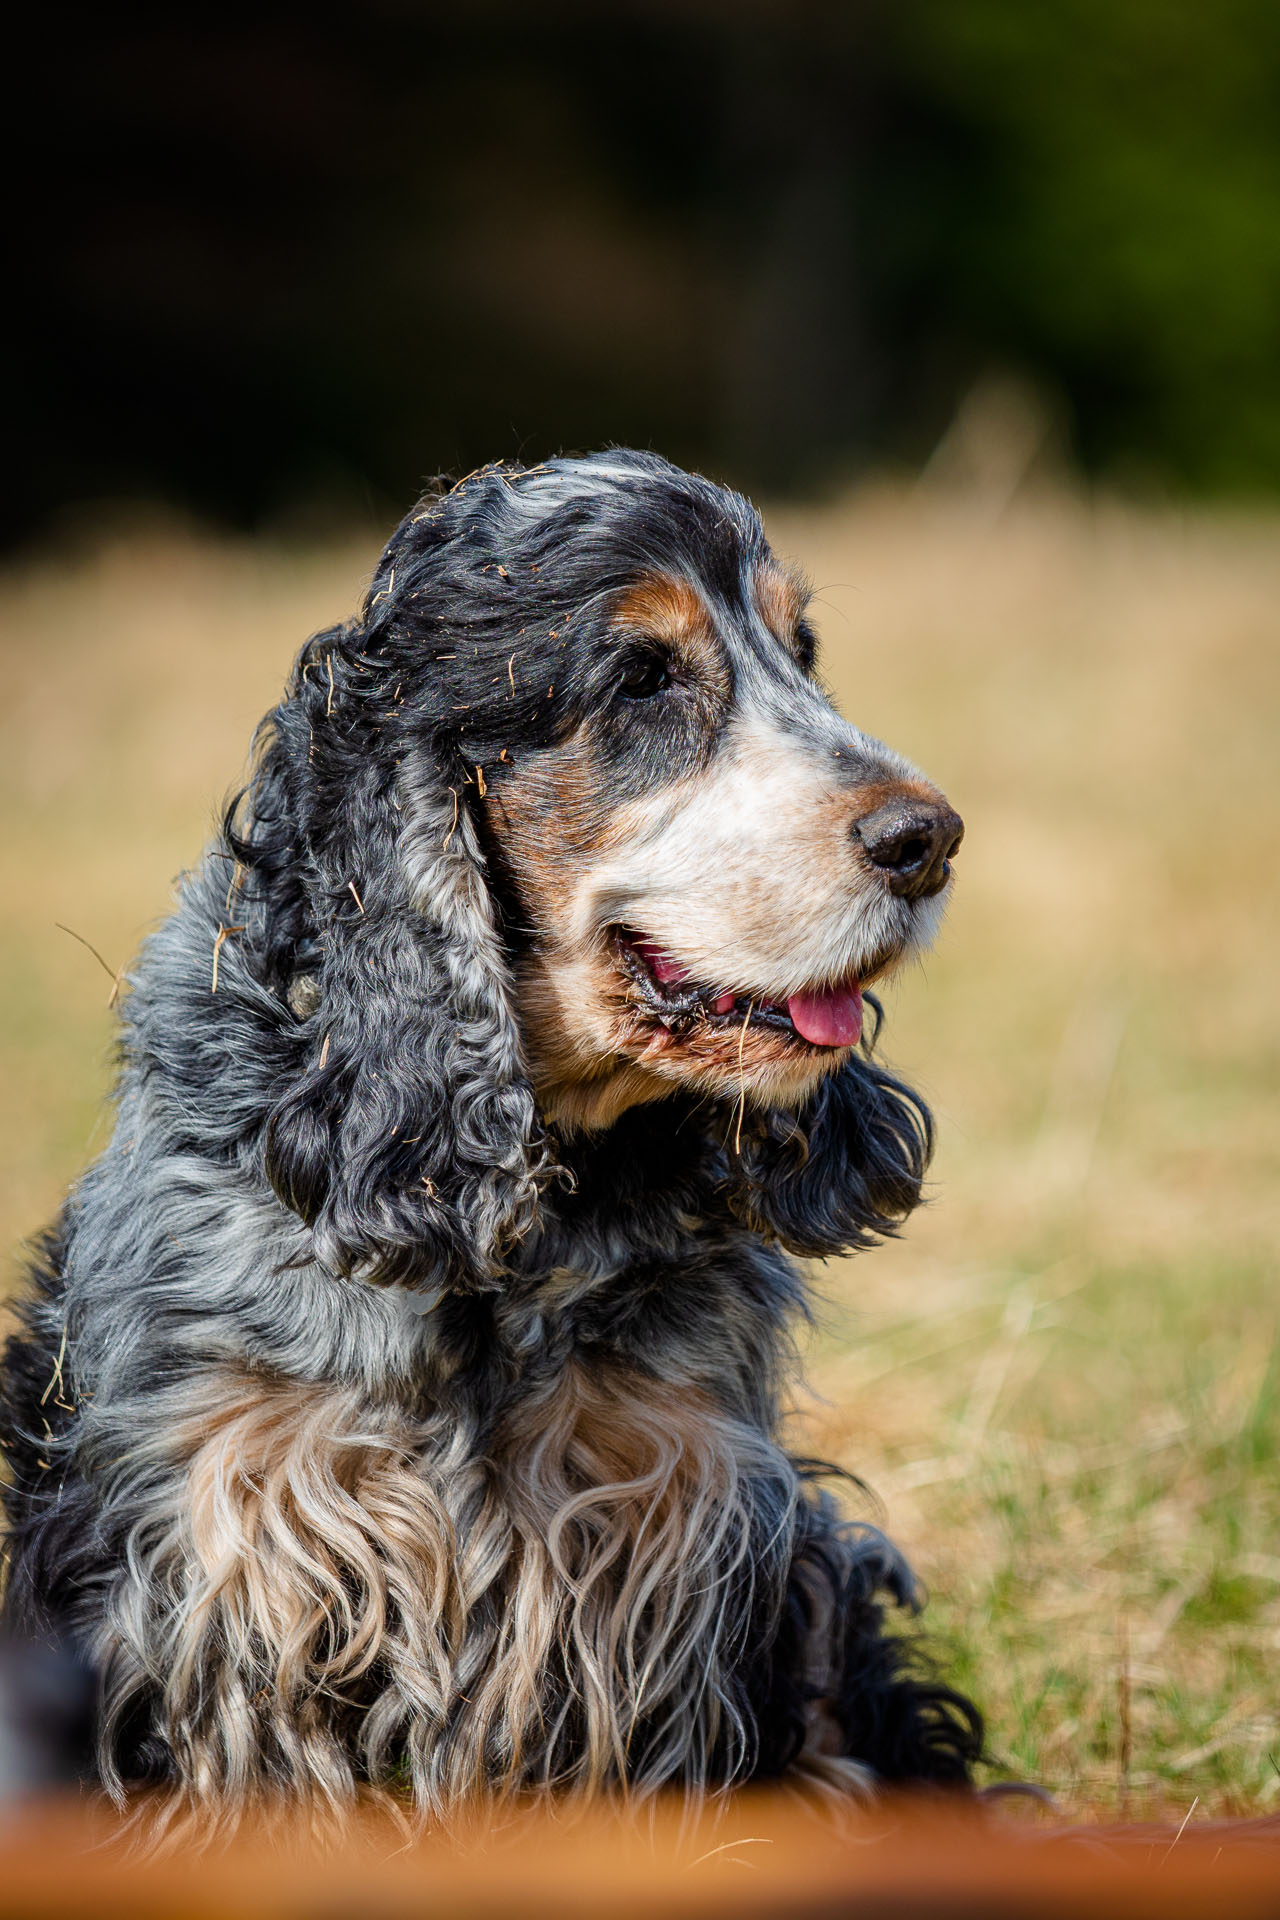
280	253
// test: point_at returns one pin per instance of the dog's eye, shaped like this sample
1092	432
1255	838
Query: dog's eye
645	677
806	644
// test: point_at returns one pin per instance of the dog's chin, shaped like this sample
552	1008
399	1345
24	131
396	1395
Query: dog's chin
756	1069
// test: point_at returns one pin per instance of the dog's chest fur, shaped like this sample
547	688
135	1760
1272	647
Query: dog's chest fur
548	1570
531	1536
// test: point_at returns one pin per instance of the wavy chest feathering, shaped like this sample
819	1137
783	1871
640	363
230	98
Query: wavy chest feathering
563	1594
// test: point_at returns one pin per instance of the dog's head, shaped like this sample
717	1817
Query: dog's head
566	824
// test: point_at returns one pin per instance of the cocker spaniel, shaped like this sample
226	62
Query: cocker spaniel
397	1404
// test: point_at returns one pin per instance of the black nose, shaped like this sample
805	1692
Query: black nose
912	841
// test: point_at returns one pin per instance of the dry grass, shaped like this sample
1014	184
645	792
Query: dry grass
1064	1384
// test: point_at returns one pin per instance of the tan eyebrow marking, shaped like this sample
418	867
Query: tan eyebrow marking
781	598
667	607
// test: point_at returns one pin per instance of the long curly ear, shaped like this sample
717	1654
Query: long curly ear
840	1174
409	1139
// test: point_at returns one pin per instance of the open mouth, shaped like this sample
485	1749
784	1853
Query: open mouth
826	1016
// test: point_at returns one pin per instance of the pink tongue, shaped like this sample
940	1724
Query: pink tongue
830	1019
664	969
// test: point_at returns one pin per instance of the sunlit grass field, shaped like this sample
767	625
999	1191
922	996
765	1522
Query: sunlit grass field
1063	1383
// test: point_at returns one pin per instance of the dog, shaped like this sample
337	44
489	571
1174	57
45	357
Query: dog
397	1404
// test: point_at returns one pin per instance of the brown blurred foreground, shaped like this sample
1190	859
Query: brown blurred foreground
762	1857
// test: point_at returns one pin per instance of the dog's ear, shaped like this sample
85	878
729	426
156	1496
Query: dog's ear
408	1141
841	1173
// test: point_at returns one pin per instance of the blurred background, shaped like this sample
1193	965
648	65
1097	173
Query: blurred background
284	259
982	300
